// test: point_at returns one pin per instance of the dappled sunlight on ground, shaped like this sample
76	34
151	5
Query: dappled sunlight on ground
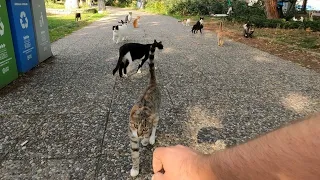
298	103
168	50
201	117
262	59
154	23
82	34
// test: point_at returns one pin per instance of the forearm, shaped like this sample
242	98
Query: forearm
288	153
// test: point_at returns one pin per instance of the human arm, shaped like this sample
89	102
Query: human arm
291	152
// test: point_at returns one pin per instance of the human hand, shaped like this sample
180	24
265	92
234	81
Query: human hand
180	162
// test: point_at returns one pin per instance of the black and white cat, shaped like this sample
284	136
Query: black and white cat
120	32
248	30
198	26
132	51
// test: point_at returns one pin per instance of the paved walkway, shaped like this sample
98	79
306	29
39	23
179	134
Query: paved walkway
67	118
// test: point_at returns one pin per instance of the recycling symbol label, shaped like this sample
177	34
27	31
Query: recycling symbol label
41	20
1	29
23	20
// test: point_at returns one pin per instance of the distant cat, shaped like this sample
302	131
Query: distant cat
198	26
185	22
188	22
220	35
128	18
120	32
248	30
77	16
135	22
295	19
143	119
132	51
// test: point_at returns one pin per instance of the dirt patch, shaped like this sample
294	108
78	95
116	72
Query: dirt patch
287	48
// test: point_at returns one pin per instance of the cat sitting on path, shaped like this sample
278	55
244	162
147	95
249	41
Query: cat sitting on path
135	22
128	18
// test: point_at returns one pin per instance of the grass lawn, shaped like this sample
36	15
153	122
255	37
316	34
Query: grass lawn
60	5
52	5
62	25
295	38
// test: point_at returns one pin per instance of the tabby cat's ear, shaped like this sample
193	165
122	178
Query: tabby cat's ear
160	42
155	41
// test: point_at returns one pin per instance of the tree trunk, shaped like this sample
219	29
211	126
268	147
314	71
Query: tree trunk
142	4
101	5
271	9
291	10
71	4
304	6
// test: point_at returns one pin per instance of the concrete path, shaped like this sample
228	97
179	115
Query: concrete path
68	117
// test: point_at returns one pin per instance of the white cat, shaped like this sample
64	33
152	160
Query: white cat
185	22
188	22
120	32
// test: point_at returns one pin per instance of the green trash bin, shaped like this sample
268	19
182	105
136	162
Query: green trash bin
8	66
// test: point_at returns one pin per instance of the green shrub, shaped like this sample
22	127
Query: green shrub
313	25
156	6
241	12
262	22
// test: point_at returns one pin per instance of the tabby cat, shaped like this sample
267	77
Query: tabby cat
220	35
132	51
144	118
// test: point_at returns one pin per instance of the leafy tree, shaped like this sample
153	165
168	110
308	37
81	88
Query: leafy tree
304	6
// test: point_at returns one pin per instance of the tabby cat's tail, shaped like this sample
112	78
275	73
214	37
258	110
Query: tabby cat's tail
151	65
220	26
152	73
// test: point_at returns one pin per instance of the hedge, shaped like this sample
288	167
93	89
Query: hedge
241	12
262	22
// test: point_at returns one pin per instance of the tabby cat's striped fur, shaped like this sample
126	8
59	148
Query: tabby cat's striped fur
144	117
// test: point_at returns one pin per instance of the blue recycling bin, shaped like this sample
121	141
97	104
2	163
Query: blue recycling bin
23	37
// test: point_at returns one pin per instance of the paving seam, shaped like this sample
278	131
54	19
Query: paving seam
98	164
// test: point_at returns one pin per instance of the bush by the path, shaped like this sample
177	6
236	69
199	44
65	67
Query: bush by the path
241	12
262	22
